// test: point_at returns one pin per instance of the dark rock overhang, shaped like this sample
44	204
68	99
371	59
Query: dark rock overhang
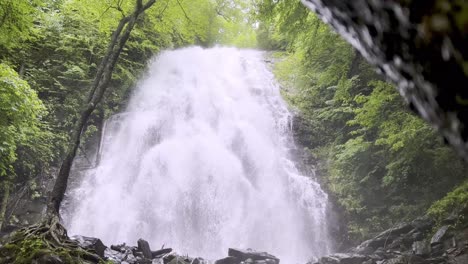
421	45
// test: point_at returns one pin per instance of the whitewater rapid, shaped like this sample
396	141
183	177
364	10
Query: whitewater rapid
200	161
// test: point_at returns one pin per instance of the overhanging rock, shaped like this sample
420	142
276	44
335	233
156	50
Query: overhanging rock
420	45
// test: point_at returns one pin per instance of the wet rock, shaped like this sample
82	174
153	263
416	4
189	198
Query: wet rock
169	257
411	259
243	255
92	243
143	246
461	259
439	235
386	239
159	253
197	261
119	248
130	258
178	260
422	224
228	260
113	256
342	258
421	248
439	260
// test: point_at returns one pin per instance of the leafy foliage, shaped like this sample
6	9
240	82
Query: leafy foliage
456	200
20	116
382	164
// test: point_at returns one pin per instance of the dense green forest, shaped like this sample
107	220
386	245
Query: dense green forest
379	162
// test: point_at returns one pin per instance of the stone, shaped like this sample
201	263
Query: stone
423	224
169	257
130	258
461	259
113	255
91	243
119	248
384	239
439	235
416	236
161	252
143	246
177	260
343	258
421	248
438	260
228	260
197	261
437	249
243	255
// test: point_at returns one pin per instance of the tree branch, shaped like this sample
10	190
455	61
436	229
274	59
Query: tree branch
183	10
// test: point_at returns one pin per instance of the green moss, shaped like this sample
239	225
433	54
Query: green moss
454	202
25	251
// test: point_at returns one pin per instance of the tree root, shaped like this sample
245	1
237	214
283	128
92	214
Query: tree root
44	242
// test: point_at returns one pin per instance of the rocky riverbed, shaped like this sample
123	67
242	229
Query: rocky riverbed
421	241
411	243
418	242
142	253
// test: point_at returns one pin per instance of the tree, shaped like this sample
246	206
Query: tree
20	113
99	86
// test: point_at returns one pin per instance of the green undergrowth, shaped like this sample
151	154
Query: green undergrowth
454	204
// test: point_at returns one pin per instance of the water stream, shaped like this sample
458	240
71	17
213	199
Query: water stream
200	161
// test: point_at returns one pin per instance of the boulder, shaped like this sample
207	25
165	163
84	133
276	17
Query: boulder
169	257
143	246
344	258
423	224
421	248
91	243
438	237
461	259
243	255
197	261
228	260
178	260
406	260
159	253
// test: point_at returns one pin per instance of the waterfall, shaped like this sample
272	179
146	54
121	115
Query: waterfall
200	161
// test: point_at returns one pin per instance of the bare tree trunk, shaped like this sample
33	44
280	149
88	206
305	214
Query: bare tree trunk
99	86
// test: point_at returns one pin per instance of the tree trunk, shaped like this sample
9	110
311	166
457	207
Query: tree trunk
99	86
3	207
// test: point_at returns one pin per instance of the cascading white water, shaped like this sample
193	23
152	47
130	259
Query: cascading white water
200	162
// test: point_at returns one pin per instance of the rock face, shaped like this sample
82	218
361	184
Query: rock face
420	45
408	244
238	256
